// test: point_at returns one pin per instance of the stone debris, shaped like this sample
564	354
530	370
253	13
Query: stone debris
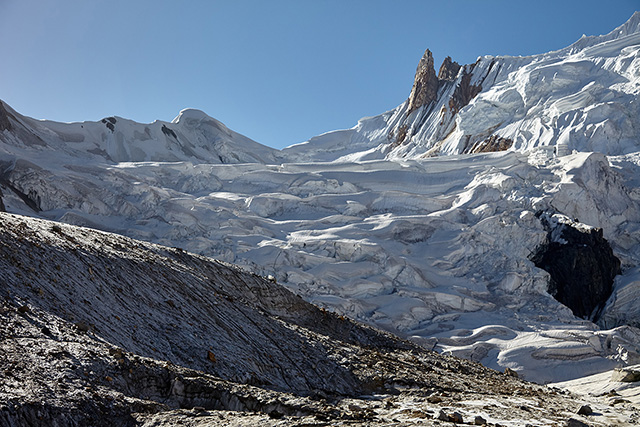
572	422
454	417
443	416
434	399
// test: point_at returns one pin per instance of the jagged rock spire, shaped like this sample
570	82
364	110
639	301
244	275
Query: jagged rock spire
425	84
448	70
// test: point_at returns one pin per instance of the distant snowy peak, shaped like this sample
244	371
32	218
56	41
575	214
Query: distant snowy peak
583	97
192	136
193	115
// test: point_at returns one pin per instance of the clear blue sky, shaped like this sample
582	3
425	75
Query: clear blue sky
278	71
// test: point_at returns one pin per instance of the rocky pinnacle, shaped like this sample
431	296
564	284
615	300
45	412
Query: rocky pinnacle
425	85
448	70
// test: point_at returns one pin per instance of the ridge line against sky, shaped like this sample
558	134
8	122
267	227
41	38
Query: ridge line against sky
279	72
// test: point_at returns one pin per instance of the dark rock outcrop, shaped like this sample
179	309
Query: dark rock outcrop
464	93
425	84
13	128
169	132
448	70
5	124
581	264
2	207
491	144
426	87
585	410
109	123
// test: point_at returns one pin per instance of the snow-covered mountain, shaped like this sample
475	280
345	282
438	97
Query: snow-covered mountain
432	220
582	97
192	136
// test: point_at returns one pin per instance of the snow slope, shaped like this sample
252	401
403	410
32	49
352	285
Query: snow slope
437	248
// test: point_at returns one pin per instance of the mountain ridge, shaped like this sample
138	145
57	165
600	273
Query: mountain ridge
192	136
402	126
437	128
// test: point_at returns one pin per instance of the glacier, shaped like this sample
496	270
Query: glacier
421	221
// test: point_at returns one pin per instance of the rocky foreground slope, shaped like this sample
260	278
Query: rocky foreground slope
100	329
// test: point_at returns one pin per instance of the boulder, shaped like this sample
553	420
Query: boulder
585	410
454	417
625	375
479	421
